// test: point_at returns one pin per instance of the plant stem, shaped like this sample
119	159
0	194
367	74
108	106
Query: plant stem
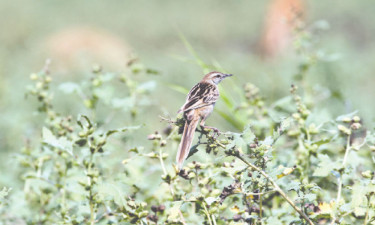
339	190
207	213
367	210
90	183
260	206
348	147
162	162
92	214
275	185
170	185
277	188
214	219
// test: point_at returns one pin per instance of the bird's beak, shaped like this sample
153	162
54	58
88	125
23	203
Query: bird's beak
228	75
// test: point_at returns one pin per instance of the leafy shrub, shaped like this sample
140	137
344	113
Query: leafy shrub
290	164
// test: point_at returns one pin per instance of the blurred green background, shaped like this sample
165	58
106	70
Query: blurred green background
227	33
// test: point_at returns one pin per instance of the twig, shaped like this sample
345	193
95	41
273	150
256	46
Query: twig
367	210
259	193
274	184
207	213
347	150
170	185
277	188
45	68
170	121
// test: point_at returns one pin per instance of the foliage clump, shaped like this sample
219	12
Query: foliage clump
288	164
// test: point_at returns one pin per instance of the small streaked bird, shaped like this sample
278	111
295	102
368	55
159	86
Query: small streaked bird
198	106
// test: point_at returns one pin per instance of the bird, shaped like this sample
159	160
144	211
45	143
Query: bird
199	105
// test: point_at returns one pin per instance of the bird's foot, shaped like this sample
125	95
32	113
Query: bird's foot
214	129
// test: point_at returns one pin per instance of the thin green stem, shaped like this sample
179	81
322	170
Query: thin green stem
348	147
92	213
367	210
339	190
90	183
207	213
162	162
277	188
214	219
274	184
260	206
170	185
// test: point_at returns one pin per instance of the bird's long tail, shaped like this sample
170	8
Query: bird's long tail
186	140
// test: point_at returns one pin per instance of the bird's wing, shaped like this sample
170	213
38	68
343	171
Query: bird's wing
202	94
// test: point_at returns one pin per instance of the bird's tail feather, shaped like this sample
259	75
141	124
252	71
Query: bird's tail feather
185	144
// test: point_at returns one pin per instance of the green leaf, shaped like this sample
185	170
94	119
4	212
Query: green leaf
350	115
81	142
69	87
310	197
60	143
123	129
206	68
225	97
178	88
123	103
325	166
273	220
136	149
237	141
109	191
321	142
3	193
146	87
293	185
359	192
87	120
285	124
248	135
210	200
194	149
173	213
231	119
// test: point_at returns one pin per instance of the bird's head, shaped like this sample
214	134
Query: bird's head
215	77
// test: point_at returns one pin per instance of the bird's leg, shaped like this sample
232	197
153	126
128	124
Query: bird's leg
214	129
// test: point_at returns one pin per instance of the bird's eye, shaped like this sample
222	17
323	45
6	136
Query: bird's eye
217	76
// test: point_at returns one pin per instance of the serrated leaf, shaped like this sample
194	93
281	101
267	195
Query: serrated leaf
173	213
247	135
325	166
268	141
61	143
273	220
108	191
310	197
293	185
359	211
358	195
237	141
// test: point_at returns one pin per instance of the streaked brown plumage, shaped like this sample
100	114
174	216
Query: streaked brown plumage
198	106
